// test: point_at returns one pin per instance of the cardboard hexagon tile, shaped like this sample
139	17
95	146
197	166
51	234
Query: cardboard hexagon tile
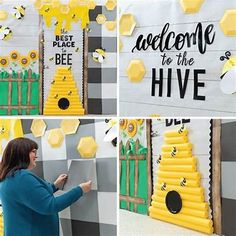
110	25
3	15
120	45
38	127
55	137
127	24
87	147
191	6
70	126
91	4
101	19
136	70
227	23
110	5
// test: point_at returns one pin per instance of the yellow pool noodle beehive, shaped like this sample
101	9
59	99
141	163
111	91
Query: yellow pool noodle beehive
178	197
63	96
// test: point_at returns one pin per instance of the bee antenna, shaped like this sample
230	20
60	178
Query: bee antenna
226	56
223	75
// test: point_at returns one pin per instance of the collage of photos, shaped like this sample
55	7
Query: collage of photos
117	117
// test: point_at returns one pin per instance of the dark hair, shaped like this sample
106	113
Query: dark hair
16	156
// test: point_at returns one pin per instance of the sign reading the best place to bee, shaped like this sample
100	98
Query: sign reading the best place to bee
64	41
178	59
65	50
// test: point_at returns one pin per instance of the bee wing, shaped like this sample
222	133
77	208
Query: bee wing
2	35
228	83
95	55
112	133
100	58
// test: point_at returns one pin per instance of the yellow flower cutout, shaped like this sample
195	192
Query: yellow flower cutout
24	61
131	128
140	121
14	55
123	124
33	55
4	61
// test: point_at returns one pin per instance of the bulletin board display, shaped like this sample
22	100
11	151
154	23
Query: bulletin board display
178	58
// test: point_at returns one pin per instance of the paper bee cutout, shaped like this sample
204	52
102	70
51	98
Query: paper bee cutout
163	186
5	33
18	12
228	78
111	133
99	55
173	152
183	182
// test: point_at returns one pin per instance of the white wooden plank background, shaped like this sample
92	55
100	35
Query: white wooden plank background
152	19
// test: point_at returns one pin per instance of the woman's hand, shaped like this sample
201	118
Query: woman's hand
86	187
60	181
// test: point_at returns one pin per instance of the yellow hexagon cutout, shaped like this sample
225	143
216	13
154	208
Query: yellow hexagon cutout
101	19
55	137
191	6
110	5
228	24
120	45
91	4
136	71
3	15
127	24
87	147
70	126
38	127
110	25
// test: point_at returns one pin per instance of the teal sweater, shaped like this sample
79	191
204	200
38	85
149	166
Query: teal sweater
29	207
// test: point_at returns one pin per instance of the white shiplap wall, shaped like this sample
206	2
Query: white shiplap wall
151	16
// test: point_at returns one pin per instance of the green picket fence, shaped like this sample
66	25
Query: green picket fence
134	177
19	93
